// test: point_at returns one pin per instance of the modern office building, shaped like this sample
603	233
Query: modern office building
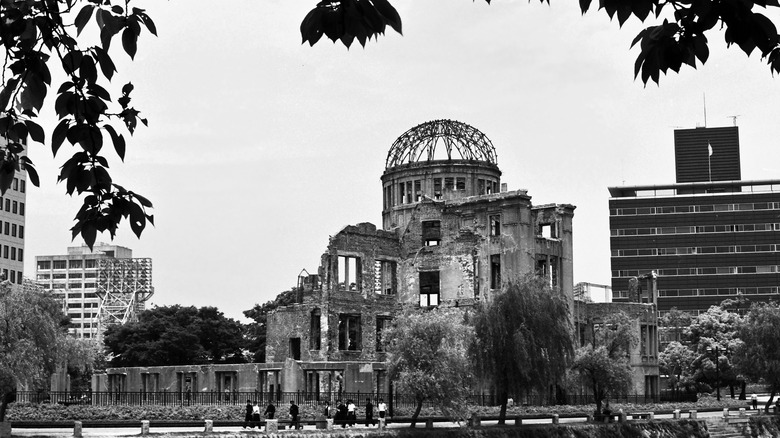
98	287
708	237
12	211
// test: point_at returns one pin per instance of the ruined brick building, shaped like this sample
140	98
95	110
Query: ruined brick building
451	235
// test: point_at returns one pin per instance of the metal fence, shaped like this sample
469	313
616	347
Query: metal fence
396	400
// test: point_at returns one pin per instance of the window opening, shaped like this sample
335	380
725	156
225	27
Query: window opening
437	188
549	231
384	277
349	332
431	233
495	225
382	322
295	348
314	330
417	191
495	271
429	289
348	273
460	183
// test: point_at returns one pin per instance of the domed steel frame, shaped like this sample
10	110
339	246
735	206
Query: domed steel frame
419	143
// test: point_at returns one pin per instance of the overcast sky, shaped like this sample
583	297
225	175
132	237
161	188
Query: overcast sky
259	148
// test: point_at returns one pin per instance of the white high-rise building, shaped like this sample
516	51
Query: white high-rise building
12	211
97	287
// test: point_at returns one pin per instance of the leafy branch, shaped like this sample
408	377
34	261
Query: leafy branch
32	31
679	39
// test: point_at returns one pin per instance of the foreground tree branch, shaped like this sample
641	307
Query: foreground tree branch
680	38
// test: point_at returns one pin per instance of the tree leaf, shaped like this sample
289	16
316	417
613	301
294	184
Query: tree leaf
129	42
36	132
58	136
32	174
118	140
83	17
7	91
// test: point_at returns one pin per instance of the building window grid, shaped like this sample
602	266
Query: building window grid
701	229
684	209
695	250
717	270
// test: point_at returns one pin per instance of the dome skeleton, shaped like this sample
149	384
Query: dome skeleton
420	143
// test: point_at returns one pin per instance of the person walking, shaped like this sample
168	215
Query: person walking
351	413
248	415
341	414
754	400
369	413
255	415
326	410
382	408
270	411
294	423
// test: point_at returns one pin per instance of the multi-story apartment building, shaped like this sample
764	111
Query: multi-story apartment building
12	214
98	287
708	237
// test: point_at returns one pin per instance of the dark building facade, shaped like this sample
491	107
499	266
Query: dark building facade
707	154
706	241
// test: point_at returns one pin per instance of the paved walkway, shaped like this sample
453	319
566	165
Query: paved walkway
237	430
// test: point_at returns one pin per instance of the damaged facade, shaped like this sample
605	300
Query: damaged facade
451	235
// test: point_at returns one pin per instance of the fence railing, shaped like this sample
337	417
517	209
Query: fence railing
303	399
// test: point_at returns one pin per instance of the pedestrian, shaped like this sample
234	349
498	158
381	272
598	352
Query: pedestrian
341	413
607	411
270	411
382	407
369	413
256	415
351	413
294	416
248	415
326	410
754	400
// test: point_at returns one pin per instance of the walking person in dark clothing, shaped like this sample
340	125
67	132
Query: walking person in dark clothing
341	414
270	411
369	413
294	423
248	415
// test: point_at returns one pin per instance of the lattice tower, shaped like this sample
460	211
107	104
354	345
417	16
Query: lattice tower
123	286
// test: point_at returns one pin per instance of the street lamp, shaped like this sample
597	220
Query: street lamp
717	350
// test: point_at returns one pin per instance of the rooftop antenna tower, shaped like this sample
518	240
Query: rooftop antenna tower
704	102
734	119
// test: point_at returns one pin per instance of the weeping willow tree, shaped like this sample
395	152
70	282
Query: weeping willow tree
427	358
34	341
522	338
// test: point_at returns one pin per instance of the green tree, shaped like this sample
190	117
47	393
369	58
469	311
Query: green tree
256	331
427	357
41	34
759	356
176	335
680	37
675	323
603	365
676	361
33	341
715	331
523	339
